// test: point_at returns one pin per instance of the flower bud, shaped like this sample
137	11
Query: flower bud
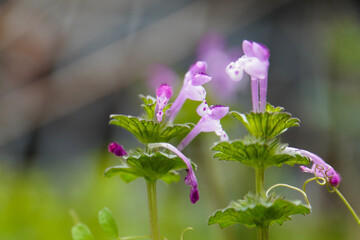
117	149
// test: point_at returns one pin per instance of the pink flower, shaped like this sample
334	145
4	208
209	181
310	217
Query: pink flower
159	74
192	88
209	122
163	94
254	62
117	149
190	178
212	49
319	167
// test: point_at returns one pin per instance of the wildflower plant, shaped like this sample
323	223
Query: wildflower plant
159	159
262	148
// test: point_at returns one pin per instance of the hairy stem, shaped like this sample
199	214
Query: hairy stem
153	213
259	181
262	231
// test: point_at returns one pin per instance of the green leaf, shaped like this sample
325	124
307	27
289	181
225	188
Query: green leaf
255	211
171	177
152	166
81	232
252	152
107	222
127	177
269	124
148	131
271	109
149	104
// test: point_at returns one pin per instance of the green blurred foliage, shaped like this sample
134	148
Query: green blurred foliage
30	208
35	207
343	47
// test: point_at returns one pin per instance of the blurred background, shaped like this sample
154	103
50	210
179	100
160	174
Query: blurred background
65	66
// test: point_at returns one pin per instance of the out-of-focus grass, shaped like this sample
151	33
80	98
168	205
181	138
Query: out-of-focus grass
30	208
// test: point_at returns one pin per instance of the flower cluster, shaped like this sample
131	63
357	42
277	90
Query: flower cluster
260	150
255	62
210	117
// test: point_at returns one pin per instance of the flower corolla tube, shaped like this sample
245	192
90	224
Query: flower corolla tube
190	178
209	122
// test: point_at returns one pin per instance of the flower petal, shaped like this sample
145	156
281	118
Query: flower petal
305	169
335	180
208	124
200	79
248	48
164	90
202	109
158	74
219	111
234	72
198	67
223	136
196	93
194	195
256	68
261	51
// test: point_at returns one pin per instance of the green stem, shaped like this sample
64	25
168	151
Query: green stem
259	181
348	205
153	213
262	231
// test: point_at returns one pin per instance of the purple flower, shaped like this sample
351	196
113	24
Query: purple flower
212	49
254	62
319	167
190	178
192	88
209	122
159	74
163	94
117	149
